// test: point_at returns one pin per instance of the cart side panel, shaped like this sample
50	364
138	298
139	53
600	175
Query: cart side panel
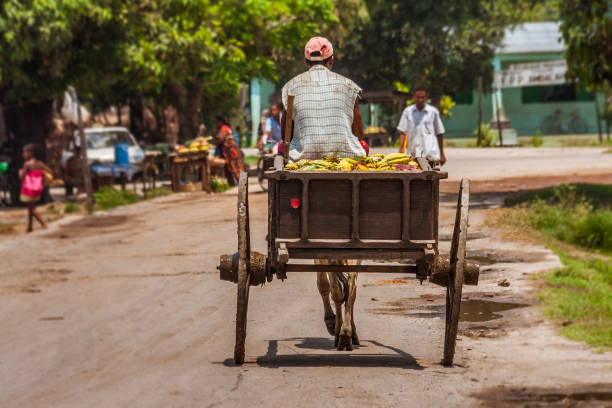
421	209
329	209
288	218
380	209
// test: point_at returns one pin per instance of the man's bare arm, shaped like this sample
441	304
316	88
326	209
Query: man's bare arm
441	145
357	126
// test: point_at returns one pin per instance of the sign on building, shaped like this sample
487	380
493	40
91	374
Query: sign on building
531	74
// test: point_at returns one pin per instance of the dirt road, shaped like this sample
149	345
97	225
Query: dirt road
126	309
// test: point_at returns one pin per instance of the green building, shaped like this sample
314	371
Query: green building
541	101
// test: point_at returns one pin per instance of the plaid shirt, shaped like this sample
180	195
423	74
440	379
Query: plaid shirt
322	115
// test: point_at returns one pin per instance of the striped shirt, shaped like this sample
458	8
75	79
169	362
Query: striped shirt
323	111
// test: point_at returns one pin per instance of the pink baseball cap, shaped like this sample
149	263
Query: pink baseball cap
320	45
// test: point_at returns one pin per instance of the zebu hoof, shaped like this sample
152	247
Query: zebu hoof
355	340
330	323
344	342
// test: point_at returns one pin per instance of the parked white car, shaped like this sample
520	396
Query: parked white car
101	145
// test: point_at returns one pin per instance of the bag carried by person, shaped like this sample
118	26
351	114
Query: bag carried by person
47	178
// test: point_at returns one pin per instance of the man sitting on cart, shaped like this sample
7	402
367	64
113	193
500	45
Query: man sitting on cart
270	141
326	117
326	120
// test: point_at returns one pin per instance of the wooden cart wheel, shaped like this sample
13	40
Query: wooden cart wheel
261	168
455	280
244	251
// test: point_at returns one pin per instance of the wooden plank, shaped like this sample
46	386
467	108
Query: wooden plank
288	220
355	217
349	243
380	211
358	253
358	175
329	209
406	209
352	268
421	211
305	207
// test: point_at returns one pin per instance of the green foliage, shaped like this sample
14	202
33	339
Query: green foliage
537	140
109	197
580	295
49	44
487	136
570	217
446	105
586	26
157	192
219	186
599	195
444	44
71	207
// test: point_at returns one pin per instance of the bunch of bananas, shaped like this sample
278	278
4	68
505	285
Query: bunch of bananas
376	162
200	144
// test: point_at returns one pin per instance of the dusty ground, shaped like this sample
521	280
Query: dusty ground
126	309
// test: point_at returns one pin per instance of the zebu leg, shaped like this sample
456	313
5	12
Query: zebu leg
350	303
337	295
324	289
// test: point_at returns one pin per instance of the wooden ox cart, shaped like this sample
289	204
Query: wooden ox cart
365	215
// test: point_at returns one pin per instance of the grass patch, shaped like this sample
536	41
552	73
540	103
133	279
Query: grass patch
71	208
109	197
251	160
579	296
6	229
600	195
575	222
219	186
157	192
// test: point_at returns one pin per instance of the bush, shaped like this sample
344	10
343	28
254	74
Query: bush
71	207
219	186
109	197
487	138
157	192
572	219
537	140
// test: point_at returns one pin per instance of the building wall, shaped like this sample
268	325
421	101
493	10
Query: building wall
526	118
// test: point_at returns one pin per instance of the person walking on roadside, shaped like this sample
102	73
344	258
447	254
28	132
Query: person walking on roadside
227	154
421	129
271	137
32	181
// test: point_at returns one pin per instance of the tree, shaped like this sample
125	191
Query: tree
202	50
586	26
46	46
445	45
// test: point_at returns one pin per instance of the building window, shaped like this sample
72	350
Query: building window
554	93
463	97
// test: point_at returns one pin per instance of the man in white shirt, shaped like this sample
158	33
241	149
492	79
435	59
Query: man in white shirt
421	129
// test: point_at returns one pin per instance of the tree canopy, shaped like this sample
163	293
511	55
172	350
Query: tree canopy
587	31
444	45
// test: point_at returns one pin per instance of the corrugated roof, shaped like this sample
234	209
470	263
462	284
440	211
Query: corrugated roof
532	37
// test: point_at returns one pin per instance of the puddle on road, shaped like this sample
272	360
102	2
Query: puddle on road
478	310
472	310
593	395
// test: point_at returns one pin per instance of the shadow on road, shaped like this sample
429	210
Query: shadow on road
342	359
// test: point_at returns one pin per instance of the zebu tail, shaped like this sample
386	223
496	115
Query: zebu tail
343	279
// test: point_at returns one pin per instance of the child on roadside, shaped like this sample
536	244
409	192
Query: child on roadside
32	183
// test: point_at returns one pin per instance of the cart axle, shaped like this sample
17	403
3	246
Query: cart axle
259	270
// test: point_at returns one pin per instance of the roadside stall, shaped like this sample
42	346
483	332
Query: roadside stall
190	167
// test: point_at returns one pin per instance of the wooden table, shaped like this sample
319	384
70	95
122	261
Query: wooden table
194	161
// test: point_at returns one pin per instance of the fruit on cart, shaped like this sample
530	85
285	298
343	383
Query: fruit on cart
376	162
